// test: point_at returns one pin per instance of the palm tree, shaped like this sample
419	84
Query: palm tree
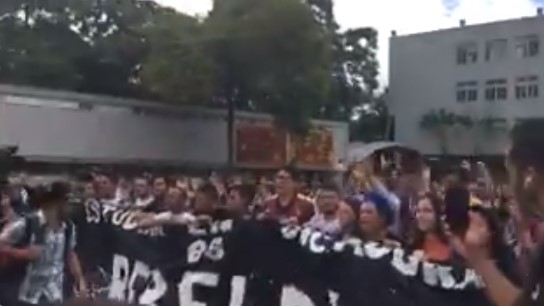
465	121
489	126
438	122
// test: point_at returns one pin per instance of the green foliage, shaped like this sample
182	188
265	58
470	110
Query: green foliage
491	124
284	57
273	58
373	123
354	67
179	67
41	55
464	121
438	119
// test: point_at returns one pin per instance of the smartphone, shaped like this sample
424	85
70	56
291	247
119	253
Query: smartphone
457	202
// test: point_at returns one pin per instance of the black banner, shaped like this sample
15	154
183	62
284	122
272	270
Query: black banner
242	263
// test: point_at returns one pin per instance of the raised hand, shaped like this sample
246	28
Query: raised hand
474	243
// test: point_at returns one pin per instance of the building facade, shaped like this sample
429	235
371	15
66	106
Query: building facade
55	126
457	91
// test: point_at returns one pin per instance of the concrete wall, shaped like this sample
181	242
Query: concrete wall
51	126
424	73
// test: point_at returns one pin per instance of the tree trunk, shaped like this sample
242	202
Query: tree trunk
442	137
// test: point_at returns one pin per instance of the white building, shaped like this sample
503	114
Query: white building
478	72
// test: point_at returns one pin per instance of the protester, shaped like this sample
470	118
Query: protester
428	234
497	248
239	201
375	217
327	218
525	165
107	190
160	186
46	242
288	205
392	207
142	193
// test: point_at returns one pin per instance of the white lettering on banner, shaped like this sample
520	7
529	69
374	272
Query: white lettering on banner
471	278
190	279
199	248
209	279
123	282
127	221
237	291
407	264
217	227
92	212
291	296
408	267
446	279
315	245
430	274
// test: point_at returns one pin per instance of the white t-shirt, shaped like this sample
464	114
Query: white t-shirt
182	218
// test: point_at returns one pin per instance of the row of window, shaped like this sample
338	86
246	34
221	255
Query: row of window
497	49
526	87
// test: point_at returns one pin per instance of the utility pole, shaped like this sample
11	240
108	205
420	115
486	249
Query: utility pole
231	117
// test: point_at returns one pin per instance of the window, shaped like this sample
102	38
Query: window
467	91
527	46
495	49
467	53
527	87
496	90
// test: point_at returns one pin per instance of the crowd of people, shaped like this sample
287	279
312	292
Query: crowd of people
494	228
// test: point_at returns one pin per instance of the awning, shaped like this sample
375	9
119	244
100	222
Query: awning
359	152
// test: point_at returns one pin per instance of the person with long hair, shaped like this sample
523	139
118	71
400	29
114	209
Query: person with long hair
497	247
428	234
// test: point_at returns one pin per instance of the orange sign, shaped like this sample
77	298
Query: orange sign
261	145
315	150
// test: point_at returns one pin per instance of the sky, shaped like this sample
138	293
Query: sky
403	16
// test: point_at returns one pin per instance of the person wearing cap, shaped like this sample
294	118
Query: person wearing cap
375	217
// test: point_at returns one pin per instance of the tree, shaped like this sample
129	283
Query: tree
372	121
272	57
284	57
116	47
354	67
37	48
487	128
438	122
179	67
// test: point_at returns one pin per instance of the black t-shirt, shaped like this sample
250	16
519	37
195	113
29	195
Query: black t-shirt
91	247
532	294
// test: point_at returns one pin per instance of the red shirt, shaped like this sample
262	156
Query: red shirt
300	207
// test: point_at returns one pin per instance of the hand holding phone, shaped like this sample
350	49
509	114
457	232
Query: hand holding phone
457	200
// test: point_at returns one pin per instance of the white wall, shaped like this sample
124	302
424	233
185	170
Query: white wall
424	73
49	125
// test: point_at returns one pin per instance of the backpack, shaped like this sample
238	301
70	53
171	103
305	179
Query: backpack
11	266
13	271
